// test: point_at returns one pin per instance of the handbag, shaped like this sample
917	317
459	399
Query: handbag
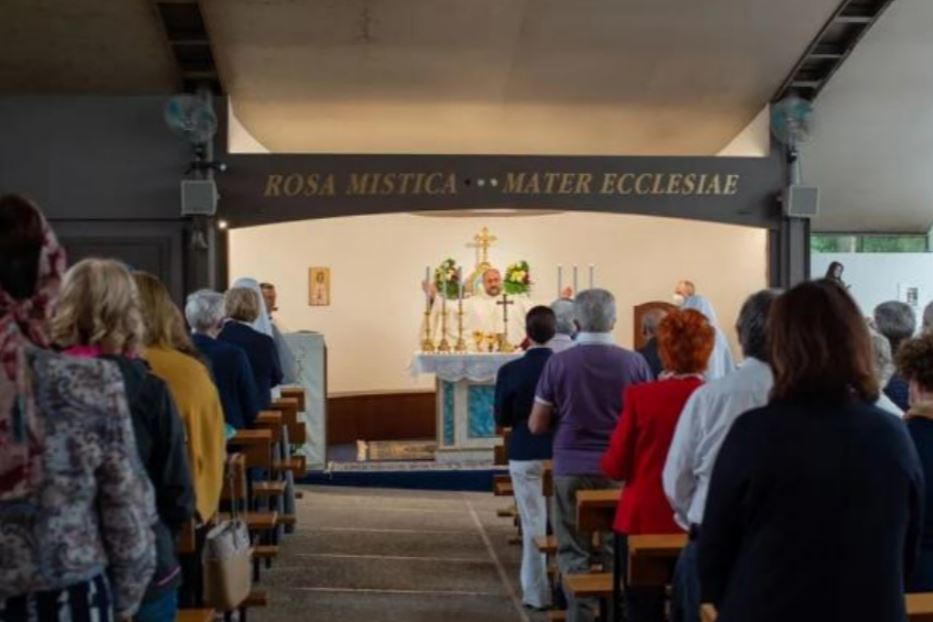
227	560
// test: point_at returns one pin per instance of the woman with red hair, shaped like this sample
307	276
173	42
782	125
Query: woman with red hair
639	445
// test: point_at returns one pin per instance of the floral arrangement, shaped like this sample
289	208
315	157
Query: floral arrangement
517	278
447	279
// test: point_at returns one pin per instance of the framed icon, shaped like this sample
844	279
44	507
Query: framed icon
319	286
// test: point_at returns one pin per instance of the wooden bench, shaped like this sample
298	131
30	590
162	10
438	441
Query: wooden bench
502	486
289	407
195	615
596	509
919	608
591	585
651	558
297	394
546	544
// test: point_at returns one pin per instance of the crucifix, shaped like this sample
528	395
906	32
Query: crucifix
504	345
481	242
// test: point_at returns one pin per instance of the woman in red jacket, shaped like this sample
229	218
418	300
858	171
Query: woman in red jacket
642	438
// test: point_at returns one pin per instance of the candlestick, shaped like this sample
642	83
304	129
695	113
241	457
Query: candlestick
460	281
592	270
427	283
575	290
560	280
444	345
460	347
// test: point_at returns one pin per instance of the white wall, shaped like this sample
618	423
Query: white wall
377	264
874	278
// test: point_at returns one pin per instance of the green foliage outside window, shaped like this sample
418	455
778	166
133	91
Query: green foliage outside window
840	243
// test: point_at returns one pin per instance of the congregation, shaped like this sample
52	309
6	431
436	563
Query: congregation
114	420
800	471
798	476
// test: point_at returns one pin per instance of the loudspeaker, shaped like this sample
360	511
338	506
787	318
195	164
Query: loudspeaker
198	197
801	201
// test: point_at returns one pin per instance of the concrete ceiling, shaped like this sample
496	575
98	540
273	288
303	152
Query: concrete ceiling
872	155
51	47
505	76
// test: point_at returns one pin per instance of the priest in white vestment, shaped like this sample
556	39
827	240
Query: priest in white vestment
482	312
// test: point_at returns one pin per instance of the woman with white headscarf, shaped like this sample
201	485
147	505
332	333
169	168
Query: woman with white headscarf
721	362
266	326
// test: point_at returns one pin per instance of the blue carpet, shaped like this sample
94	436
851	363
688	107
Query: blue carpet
477	481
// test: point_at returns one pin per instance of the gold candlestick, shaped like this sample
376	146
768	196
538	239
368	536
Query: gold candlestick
461	345
444	345
503	341
427	344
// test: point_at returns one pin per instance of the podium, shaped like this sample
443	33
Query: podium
310	353
466	427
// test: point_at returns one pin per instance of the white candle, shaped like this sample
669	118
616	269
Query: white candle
560	280
575	290
460	282
427	284
592	271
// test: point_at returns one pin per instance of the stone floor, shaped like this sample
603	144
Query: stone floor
373	555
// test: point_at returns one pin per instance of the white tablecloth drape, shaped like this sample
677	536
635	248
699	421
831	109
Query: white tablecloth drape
474	367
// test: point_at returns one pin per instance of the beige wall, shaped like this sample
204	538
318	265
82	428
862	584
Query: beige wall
377	263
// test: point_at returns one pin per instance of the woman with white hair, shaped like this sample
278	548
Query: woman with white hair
721	362
233	375
244	308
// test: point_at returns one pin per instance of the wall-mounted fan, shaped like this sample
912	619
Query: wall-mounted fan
192	119
793	123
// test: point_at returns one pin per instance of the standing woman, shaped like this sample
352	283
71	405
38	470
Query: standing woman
815	501
721	362
915	364
175	360
76	507
97	316
244	310
641	440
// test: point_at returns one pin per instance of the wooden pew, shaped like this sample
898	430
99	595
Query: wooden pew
596	509
591	585
651	558
297	394
919	608
195	615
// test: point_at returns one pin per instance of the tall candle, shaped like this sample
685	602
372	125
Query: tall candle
427	284
592	270
560	280
575	290
460	282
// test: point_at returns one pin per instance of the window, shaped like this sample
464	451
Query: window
868	243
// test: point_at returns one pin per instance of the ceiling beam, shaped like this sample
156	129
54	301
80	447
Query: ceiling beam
831	47
188	40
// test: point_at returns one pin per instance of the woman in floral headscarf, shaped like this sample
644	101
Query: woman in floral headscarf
76	506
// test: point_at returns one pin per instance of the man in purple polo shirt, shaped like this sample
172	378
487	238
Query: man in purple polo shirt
579	396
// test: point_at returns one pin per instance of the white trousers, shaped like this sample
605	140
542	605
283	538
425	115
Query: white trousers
532	511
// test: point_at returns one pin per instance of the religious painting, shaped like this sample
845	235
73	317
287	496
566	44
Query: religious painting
319	287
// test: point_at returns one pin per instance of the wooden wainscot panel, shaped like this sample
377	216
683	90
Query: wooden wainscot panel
389	416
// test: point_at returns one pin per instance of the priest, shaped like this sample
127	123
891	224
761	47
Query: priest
482	312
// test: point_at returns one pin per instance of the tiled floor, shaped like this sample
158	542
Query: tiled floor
373	555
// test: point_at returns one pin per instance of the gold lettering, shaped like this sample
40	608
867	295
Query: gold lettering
406	178
583	183
450	186
673	183
388	183
310	185
643	177
609	180
293	185
550	178
656	189
514	183
566	183
359	183
690	183
328	188
732	184
534	185
272	186
713	187
701	184
430	185
620	187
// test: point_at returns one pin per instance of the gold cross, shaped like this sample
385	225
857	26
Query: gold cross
483	240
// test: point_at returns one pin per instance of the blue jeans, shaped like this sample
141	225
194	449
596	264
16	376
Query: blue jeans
685	604
163	608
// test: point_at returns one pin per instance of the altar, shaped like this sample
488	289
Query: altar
466	385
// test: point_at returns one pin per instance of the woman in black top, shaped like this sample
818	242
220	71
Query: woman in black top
815	503
915	364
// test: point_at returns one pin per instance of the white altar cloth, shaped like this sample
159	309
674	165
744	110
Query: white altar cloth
472	366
